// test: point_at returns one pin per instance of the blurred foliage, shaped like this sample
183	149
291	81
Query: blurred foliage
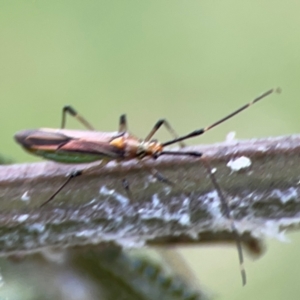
106	274
190	62
4	160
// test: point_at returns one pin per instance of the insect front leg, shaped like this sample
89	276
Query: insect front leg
70	110
173	133
164	122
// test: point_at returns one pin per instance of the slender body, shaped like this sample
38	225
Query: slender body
72	146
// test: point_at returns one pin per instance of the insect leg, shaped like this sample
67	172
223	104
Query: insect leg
161	177
164	122
158	124
70	110
155	173
225	205
73	175
126	187
123	128
122	124
229	216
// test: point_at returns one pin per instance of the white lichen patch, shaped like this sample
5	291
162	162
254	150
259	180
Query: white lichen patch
185	220
94	200
214	205
290	194
87	233
22	218
184	213
36	227
151	179
25	197
167	190
104	191
272	229
129	243
238	164
262	148
155	201
230	137
157	210
213	170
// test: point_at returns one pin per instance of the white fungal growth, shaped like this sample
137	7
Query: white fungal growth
230	137
272	229
237	164
25	197
117	196
185	220
36	227
22	218
213	170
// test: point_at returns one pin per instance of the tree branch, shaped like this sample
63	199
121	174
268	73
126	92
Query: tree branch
95	208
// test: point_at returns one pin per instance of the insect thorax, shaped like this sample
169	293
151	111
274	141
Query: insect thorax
145	148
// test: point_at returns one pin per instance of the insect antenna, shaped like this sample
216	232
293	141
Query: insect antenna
203	130
181	153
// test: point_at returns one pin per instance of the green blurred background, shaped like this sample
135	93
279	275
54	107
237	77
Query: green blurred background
191	62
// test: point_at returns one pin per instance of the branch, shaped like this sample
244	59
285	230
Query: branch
95	208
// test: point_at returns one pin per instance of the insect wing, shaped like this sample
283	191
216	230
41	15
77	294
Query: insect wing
57	146
93	148
38	139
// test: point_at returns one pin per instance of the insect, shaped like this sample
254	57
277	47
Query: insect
74	147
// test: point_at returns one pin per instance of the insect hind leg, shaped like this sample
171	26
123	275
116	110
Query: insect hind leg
71	111
122	124
74	174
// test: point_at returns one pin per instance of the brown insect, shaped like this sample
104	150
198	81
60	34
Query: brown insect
74	147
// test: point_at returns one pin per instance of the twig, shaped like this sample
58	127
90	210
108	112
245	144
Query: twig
264	199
